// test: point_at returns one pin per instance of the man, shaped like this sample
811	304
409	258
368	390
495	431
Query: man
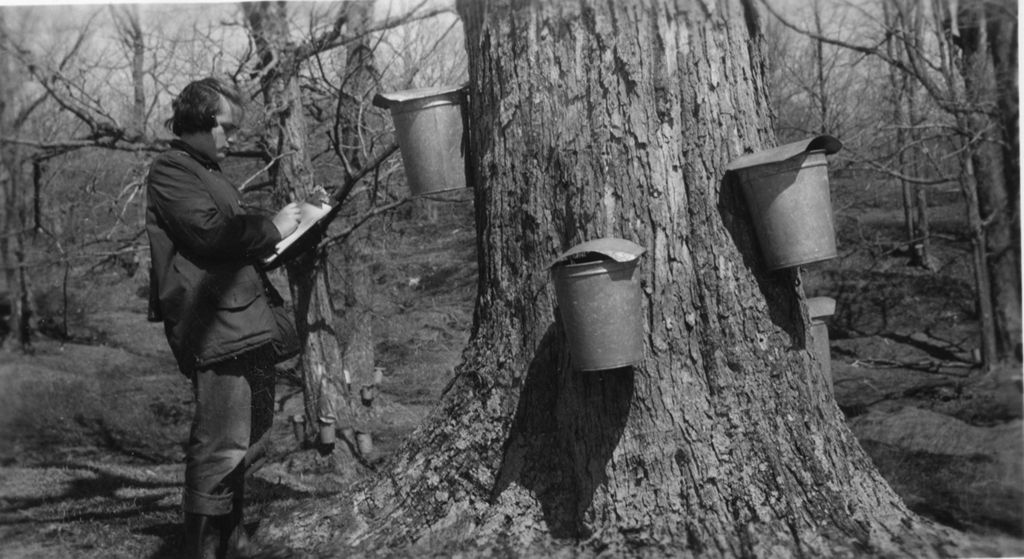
213	300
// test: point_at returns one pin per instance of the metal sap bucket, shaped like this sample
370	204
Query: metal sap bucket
429	126
818	309
597	287
787	191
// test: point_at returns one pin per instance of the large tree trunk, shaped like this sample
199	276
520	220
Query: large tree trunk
618	119
322	366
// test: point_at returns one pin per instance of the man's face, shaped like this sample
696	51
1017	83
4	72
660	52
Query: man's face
223	133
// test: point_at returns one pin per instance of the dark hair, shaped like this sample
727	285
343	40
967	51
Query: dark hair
196	107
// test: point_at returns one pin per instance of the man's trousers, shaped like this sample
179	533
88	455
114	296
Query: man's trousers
230	430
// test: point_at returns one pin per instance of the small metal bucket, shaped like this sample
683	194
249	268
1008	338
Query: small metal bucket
818	309
599	303
787	191
429	126
792	210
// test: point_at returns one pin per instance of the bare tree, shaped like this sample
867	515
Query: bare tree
908	138
280	59
360	80
17	104
126	18
986	33
963	60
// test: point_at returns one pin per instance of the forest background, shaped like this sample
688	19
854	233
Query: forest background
926	335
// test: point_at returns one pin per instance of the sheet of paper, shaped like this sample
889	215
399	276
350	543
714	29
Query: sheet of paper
310	214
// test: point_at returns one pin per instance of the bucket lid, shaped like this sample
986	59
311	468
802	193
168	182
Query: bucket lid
387	100
821	307
619	250
825	143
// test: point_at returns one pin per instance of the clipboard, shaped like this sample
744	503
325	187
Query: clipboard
313	215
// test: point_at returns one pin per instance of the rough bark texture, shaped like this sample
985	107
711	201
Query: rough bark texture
359	81
618	119
322	366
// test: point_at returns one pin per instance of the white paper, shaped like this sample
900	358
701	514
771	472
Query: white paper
309	214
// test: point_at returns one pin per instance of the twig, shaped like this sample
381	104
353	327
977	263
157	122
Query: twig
924	366
340	237
244	185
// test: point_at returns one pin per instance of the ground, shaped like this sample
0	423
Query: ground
94	427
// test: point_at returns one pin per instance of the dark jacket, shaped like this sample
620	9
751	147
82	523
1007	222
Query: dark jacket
203	283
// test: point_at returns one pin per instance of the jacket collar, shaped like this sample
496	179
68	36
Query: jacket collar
202	159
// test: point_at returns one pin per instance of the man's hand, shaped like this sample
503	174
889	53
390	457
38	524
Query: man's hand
287	220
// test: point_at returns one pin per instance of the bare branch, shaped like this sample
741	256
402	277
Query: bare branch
897	174
242	187
340	194
914	69
70	145
366	216
334	38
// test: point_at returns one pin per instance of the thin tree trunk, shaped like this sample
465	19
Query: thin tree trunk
322	367
13	246
359	80
976	229
138	49
8	215
921	248
914	195
7	260
130	29
922	228
899	86
987	34
618	119
819	67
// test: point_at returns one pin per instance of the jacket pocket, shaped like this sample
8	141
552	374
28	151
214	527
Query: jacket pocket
239	295
178	289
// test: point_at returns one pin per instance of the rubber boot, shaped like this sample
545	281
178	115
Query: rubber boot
201	539
235	540
233	536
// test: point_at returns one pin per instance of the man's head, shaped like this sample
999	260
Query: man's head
206	114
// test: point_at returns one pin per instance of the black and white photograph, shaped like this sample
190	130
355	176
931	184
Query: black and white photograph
471	279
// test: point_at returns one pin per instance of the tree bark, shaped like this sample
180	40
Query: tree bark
15	226
359	82
618	119
134	40
322	367
988	33
8	262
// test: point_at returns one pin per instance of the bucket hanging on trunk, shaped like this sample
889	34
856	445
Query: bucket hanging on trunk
597	287
431	136
819	309
787	191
